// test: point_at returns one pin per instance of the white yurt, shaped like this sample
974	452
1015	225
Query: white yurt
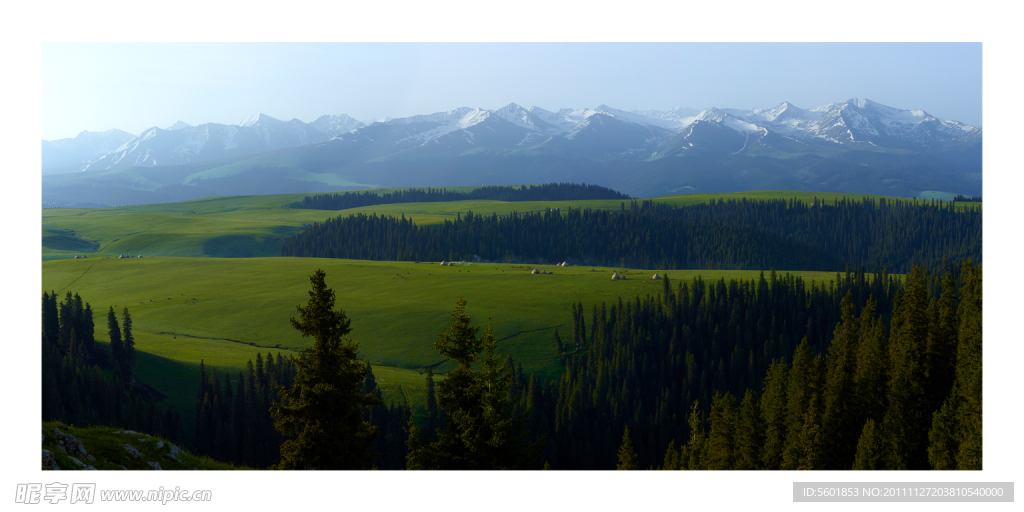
615	276
534	271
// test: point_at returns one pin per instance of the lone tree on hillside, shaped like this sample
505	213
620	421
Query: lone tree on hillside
324	407
483	429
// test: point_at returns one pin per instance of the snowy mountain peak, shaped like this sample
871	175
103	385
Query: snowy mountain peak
712	114
784	111
178	125
257	119
473	117
533	118
337	124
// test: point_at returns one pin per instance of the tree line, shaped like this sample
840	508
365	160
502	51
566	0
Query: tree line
547	192
83	384
886	375
967	199
735	234
675	381
234	422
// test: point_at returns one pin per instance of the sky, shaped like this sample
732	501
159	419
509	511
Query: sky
134	86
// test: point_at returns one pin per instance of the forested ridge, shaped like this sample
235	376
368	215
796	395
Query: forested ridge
860	374
85	385
548	192
735	234
866	371
234	424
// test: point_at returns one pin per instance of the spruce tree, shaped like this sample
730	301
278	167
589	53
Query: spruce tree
483	429
749	433
51	319
67	320
968	370
773	414
116	348
870	448
943	437
838	424
798	399
906	421
872	360
721	438
88	329
627	455
696	448
433	415
128	346
324	407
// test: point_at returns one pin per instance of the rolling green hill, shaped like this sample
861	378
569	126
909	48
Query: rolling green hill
210	287
223	311
254	226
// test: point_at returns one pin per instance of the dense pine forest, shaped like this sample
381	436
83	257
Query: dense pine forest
234	424
736	234
548	192
866	373
85	385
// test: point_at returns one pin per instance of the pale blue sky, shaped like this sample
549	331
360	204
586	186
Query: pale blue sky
133	86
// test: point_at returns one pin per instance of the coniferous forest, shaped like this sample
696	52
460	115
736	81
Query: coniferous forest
547	192
869	373
86	385
869	370
735	235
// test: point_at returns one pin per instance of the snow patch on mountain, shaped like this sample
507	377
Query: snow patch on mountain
333	125
178	125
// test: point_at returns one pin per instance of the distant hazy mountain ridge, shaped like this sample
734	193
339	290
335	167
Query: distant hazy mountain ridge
606	130
712	149
82	149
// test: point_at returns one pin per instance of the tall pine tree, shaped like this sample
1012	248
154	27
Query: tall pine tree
324	407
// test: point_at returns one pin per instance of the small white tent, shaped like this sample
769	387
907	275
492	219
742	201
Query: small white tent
656	276
534	271
615	276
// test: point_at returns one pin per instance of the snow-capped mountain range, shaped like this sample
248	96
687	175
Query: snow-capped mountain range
602	132
74	153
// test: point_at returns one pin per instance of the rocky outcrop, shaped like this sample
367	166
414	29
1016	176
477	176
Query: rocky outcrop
132	452
49	462
68	444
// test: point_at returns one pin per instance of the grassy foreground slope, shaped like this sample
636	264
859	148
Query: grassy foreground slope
254	226
104	448
223	311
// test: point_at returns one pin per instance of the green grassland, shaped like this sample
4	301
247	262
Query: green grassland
255	226
222	311
211	288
